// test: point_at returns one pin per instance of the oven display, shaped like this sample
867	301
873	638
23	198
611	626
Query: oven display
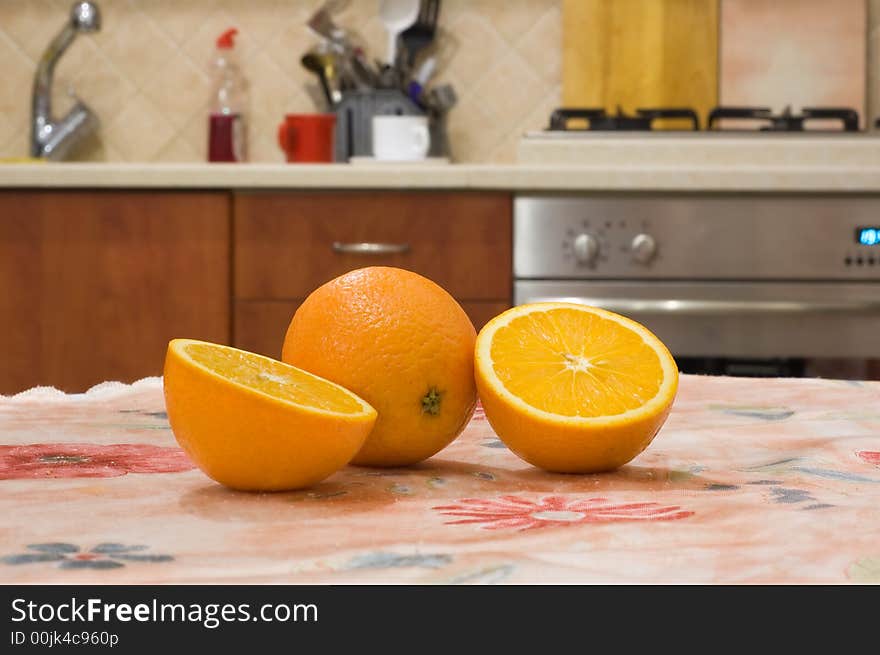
868	236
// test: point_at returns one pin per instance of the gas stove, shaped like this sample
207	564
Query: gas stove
721	119
820	137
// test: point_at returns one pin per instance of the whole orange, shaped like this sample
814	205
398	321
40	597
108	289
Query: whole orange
400	342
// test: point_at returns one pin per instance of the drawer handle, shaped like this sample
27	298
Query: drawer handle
370	248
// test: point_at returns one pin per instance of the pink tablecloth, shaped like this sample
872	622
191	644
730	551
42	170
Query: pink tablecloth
749	481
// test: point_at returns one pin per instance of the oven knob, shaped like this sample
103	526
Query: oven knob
643	248
586	248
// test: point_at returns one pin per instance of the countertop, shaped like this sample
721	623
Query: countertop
749	481
645	176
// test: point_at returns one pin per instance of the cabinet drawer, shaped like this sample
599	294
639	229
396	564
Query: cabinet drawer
287	244
260	325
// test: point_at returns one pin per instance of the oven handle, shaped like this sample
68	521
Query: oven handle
716	307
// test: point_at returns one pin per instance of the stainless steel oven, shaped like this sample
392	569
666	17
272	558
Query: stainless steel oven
737	284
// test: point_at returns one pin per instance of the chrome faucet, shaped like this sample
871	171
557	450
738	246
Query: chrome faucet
53	139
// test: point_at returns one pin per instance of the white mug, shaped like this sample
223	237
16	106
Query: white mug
401	138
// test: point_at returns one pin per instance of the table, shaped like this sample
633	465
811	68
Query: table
749	481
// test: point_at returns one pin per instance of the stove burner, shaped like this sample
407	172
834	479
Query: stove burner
597	119
786	121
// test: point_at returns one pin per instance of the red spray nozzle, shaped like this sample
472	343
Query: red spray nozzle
227	39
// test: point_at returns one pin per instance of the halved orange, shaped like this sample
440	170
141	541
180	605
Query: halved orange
572	388
254	423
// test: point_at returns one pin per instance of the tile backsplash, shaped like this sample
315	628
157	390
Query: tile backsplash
793	53
146	73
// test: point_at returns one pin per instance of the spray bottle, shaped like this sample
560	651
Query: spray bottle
226	126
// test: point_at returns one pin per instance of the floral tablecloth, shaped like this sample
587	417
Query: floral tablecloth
750	481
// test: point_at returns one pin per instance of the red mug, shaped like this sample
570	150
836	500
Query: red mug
307	137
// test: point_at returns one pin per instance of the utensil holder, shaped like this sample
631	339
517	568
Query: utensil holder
354	122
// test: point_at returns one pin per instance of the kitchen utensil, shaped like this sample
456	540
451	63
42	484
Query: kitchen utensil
307	137
442	98
401	138
425	71
343	60
313	63
421	77
333	73
323	65
364	75
389	77
420	34
397	16
334	39
321	23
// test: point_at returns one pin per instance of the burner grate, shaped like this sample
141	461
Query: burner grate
599	120
786	121
760	119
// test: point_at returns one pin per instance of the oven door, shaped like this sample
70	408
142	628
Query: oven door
739	320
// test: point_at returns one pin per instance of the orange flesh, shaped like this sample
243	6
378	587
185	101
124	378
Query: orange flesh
274	378
573	363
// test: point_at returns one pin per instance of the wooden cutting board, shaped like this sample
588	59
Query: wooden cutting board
640	53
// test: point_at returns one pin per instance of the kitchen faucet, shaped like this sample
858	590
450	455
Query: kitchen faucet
52	139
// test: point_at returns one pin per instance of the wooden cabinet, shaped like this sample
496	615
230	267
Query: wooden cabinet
288	244
94	284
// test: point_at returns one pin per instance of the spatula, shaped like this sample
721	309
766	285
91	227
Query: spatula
420	34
